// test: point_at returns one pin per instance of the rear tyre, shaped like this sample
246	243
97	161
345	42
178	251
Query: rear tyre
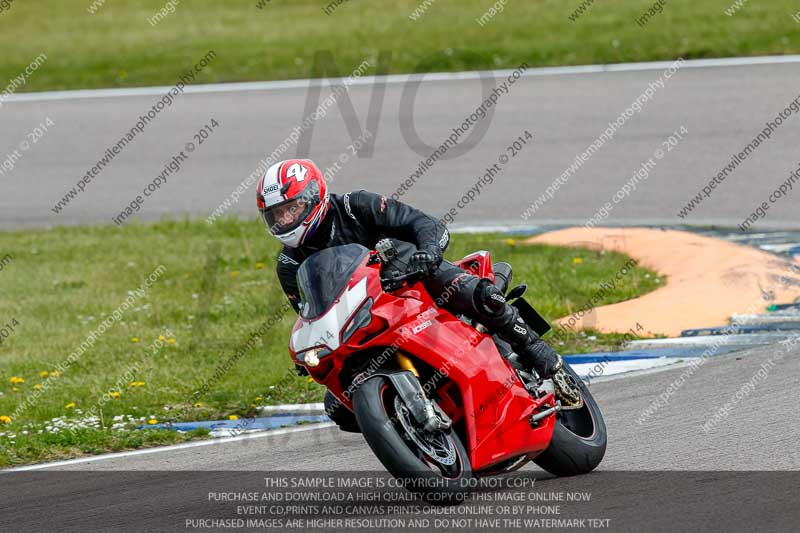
434	464
579	437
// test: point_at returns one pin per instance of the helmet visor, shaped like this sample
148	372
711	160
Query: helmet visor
289	215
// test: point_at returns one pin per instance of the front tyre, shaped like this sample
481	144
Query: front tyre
434	464
579	437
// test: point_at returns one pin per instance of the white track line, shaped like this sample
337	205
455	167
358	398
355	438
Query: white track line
401	78
292	408
268	433
147	451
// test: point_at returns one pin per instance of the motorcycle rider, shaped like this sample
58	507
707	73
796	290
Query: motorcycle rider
298	209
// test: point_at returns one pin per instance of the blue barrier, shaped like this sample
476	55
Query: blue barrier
783	307
269	422
654	353
739	330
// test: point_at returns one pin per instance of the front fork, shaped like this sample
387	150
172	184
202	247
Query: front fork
410	390
406	363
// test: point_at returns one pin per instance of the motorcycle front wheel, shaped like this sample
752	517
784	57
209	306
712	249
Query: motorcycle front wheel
434	464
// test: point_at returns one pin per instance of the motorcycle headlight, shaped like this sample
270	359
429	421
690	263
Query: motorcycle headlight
361	319
311	357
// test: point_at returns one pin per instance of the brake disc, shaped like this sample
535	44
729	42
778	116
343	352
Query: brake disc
435	445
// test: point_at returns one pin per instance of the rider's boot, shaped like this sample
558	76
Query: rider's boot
484	302
535	353
531	350
337	412
504	319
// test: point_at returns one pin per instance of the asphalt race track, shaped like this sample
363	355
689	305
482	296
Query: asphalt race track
723	108
669	452
758	435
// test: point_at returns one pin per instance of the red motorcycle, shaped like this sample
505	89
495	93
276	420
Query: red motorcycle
437	398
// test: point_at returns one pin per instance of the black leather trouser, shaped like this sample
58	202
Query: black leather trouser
479	299
462	293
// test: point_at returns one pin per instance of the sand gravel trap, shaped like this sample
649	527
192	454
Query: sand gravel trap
708	279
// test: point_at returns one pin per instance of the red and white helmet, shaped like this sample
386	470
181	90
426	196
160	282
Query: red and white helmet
293	199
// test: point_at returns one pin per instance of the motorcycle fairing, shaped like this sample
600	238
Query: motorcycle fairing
495	407
478	264
326	329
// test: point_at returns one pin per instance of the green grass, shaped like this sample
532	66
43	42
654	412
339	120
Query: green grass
217	286
118	47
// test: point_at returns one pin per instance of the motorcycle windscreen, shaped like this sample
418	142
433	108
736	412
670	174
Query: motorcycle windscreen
323	276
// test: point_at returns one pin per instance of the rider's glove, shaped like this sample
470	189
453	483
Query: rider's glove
425	260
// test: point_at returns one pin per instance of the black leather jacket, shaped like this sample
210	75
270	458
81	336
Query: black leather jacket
365	218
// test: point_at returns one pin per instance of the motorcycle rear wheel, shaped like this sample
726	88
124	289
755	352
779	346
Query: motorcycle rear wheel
579	437
386	430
